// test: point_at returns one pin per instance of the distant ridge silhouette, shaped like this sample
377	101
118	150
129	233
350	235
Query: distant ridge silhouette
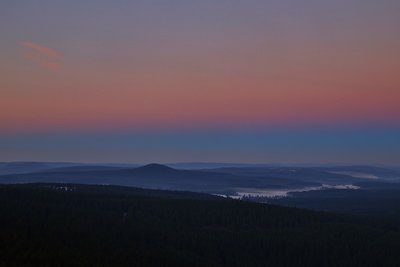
155	167
220	180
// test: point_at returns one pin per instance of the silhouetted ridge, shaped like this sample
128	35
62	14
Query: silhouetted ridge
84	168
154	167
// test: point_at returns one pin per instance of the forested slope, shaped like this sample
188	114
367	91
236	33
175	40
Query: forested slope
78	225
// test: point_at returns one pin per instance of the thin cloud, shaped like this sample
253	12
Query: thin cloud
47	57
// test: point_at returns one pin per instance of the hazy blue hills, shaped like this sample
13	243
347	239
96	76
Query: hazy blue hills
217	180
327	175
299	174
155	176
155	169
19	167
83	168
27	167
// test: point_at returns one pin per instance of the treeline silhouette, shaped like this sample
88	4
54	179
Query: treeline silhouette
375	202
88	225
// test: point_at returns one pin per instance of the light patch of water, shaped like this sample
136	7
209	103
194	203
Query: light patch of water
278	193
360	175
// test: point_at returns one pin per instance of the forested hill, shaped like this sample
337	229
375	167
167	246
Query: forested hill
88	225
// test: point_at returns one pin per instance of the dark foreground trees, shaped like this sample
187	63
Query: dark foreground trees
50	225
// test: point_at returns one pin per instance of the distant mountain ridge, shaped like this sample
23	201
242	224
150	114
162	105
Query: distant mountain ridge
19	167
28	167
218	180
156	176
155	168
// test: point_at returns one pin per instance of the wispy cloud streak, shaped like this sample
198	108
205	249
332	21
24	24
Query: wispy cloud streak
47	57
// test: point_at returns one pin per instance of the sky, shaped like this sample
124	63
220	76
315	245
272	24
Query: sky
281	81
